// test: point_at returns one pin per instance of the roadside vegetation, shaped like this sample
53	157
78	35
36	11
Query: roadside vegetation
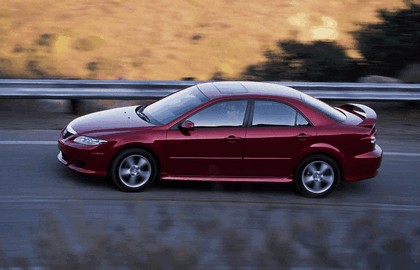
189	39
387	48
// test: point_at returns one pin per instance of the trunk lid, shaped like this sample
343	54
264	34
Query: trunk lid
366	114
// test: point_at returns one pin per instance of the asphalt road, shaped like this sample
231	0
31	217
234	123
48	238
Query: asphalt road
53	217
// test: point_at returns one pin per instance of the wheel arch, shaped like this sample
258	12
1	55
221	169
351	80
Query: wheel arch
134	146
334	154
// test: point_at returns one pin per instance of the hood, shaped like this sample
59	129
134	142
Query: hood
119	118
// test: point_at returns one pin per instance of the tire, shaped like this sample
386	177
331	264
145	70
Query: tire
133	170
317	176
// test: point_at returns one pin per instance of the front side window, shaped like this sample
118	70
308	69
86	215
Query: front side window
222	114
271	113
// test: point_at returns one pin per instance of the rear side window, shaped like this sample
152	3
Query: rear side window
273	113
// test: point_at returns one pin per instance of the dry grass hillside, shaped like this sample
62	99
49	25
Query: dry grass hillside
164	39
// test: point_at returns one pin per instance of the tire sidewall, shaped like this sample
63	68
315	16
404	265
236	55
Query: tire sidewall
114	169
299	181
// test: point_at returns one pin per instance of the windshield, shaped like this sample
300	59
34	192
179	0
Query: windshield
324	108
173	106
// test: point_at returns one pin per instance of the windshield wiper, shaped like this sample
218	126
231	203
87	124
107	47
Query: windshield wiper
140	113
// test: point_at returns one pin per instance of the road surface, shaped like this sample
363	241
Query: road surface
53	217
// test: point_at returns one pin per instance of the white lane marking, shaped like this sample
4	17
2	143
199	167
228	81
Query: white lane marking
55	143
301	204
28	142
402	154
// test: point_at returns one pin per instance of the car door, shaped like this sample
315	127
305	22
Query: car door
214	147
276	134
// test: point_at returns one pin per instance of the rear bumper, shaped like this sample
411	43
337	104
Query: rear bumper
363	166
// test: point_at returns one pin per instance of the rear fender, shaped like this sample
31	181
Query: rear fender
323	149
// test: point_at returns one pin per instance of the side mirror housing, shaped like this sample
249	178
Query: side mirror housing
187	125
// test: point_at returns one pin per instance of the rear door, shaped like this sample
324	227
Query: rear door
277	133
215	146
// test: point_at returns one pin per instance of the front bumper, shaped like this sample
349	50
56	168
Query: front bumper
363	166
84	159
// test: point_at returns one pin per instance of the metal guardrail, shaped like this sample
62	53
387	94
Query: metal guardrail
90	89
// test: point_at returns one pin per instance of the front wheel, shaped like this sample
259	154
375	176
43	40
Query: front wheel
317	176
133	170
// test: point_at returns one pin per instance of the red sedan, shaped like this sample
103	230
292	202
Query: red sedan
227	131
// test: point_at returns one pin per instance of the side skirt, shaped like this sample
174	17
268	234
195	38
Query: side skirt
229	179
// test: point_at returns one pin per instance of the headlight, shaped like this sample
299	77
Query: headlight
89	141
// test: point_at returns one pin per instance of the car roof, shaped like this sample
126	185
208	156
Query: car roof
246	88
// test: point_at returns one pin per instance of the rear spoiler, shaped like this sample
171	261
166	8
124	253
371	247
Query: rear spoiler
366	113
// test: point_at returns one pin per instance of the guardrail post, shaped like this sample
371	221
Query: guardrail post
74	106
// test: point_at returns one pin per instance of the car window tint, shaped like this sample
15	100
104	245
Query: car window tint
169	108
222	114
301	121
272	113
324	108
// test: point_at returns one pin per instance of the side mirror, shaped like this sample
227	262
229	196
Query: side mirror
187	125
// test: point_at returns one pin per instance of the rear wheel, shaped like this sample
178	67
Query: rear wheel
133	170
317	176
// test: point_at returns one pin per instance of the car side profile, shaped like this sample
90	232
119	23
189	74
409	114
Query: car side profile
227	131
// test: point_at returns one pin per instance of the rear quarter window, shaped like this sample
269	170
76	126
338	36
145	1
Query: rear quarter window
324	108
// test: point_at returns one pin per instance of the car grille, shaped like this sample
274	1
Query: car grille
67	134
80	164
64	156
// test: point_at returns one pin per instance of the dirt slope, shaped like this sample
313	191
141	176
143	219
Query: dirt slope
163	39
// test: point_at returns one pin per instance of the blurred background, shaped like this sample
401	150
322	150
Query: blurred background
53	218
301	40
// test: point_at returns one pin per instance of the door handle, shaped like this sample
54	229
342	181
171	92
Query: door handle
303	136
232	138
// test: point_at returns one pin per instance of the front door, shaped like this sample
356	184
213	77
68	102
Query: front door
214	147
